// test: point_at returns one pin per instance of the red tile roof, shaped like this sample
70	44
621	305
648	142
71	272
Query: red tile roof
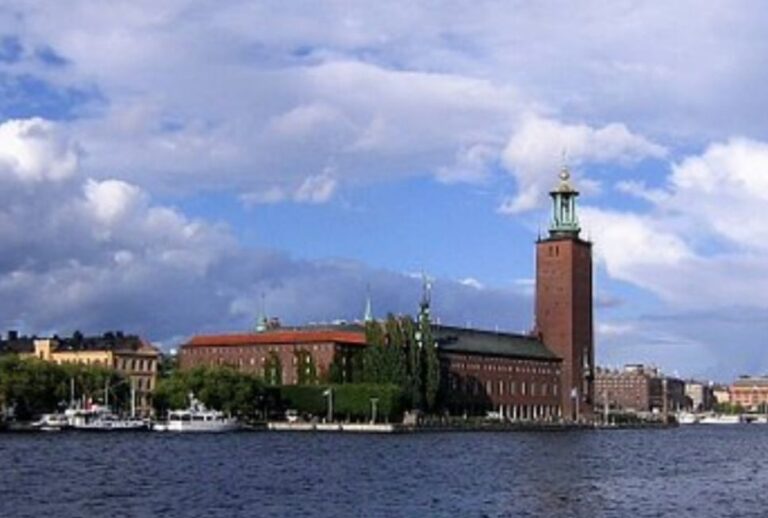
280	337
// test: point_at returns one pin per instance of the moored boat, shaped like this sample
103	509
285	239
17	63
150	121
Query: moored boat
721	419
51	423
196	418
100	419
687	418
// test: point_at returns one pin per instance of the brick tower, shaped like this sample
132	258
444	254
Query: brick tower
564	301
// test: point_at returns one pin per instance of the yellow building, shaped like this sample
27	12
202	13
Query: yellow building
130	355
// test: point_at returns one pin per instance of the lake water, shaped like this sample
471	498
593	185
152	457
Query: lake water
689	471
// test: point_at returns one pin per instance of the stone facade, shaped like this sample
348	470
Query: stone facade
637	388
700	395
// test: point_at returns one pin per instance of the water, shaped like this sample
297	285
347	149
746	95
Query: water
689	471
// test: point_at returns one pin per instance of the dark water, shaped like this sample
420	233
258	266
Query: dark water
690	471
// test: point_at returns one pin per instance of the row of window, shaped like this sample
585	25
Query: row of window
143	384
505	368
135	364
220	349
501	387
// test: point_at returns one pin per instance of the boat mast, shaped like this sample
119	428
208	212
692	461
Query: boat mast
133	399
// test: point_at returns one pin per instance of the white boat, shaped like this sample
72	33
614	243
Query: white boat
687	418
99	419
51	423
721	419
196	418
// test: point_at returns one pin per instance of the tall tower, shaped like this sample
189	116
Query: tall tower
564	300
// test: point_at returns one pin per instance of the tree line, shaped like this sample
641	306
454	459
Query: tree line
399	370
30	387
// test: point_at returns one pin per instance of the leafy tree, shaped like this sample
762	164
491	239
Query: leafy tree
431	373
414	364
220	388
32	386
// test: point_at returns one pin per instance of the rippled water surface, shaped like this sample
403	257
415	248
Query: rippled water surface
690	471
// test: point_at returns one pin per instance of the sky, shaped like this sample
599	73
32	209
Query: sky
171	168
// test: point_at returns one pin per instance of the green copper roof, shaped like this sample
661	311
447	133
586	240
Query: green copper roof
490	343
564	219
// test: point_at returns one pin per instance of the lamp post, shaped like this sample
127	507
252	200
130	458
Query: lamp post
329	394
374	405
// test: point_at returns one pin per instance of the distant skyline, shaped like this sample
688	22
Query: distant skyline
162	165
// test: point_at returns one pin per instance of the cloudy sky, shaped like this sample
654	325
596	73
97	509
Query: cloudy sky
166	166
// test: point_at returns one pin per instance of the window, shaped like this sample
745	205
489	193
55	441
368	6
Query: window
522	388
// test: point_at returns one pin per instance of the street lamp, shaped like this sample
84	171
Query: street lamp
329	394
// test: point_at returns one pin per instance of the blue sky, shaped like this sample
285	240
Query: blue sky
163	166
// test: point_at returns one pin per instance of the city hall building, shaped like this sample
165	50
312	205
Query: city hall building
544	375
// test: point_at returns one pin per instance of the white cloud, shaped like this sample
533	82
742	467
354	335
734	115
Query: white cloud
110	200
316	189
532	154
724	190
472	283
611	329
32	151
90	254
701	244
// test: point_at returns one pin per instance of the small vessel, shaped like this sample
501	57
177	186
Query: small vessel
196	418
721	419
687	418
51	423
100	419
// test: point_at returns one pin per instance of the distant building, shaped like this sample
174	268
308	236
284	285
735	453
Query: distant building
548	374
638	388
130	355
286	356
751	392
700	395
722	394
481	371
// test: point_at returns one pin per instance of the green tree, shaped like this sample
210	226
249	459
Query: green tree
220	388
32	386
431	372
413	365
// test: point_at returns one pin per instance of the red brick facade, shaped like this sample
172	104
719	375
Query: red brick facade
564	315
252	352
516	388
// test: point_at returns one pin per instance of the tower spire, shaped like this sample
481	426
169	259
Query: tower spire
262	320
564	223
426	294
368	317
